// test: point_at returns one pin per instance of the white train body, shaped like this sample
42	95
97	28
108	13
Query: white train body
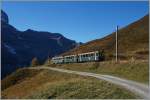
82	57
70	58
57	60
90	56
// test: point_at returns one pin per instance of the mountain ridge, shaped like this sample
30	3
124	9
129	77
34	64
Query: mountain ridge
20	47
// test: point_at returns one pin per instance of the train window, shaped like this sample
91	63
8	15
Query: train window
86	55
97	54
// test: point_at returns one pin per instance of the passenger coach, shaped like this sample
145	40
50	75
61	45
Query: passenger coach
81	57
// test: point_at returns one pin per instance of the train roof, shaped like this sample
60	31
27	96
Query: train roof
69	55
88	52
57	57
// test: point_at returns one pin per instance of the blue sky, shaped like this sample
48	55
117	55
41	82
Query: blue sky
80	21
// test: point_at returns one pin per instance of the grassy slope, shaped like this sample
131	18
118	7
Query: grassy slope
14	78
51	84
131	39
136	70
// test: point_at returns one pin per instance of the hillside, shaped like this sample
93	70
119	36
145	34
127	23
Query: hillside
20	47
137	70
46	84
132	42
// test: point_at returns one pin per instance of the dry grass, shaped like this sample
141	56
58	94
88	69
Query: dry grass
22	75
26	86
81	88
50	84
132	70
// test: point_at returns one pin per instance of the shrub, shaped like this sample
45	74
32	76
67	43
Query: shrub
34	62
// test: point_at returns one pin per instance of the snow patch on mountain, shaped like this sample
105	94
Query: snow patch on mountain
11	49
58	40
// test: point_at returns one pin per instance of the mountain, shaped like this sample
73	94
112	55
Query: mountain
4	17
20	47
133	41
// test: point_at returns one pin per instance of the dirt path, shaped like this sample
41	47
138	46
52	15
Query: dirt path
140	89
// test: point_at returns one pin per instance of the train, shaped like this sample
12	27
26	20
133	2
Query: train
79	58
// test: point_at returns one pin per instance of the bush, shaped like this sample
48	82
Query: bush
34	62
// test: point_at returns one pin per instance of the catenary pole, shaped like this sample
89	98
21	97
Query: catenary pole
117	43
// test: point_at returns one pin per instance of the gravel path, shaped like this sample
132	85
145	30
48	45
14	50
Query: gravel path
140	89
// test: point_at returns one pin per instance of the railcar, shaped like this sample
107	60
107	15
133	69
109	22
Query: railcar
90	56
57	60
82	57
70	58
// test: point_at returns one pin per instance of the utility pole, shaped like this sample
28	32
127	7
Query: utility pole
117	43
